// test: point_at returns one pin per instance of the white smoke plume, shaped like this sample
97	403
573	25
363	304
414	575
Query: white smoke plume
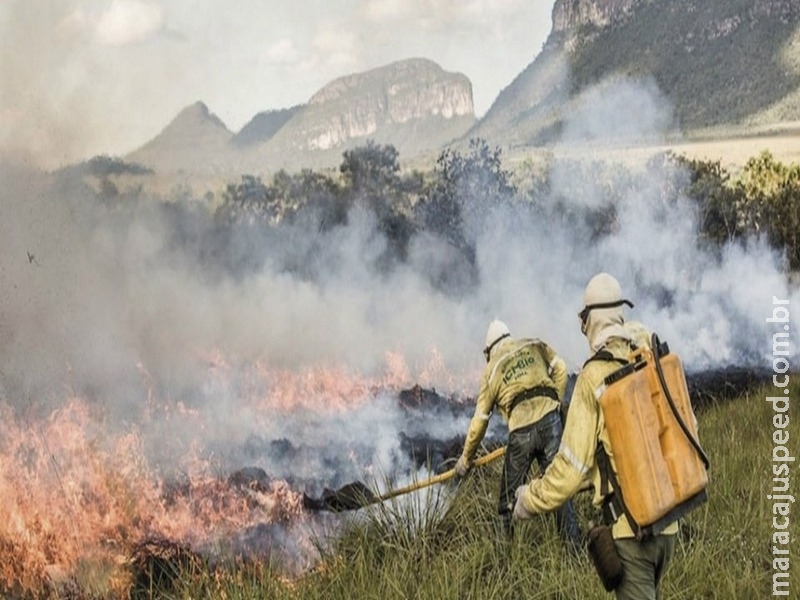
113	305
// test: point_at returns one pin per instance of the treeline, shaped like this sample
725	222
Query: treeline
293	221
440	204
761	200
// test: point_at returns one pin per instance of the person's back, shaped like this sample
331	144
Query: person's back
519	370
610	341
524	380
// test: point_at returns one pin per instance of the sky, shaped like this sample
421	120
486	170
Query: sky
80	78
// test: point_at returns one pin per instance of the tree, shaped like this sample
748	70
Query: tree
371	180
370	170
720	202
463	187
772	191
249	201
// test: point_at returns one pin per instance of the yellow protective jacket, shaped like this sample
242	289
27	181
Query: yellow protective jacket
575	461
514	367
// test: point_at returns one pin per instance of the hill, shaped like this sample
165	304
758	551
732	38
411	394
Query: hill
195	137
718	79
413	104
718	68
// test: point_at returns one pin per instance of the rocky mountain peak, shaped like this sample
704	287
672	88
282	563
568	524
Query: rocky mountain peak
413	104
359	105
569	15
194	116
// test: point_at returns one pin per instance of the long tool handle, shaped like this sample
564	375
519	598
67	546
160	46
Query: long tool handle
441	477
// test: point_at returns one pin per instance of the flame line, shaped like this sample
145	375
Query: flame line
57	471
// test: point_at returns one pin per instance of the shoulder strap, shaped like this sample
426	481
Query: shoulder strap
613	503
605	355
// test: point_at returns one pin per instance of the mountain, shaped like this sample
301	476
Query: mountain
263	126
195	137
626	67
715	64
413	104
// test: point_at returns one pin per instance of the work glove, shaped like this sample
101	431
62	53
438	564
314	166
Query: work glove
520	512
462	466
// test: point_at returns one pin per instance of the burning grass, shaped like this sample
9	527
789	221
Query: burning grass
84	514
72	498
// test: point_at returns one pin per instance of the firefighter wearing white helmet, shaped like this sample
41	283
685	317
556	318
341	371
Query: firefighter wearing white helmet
524	380
610	339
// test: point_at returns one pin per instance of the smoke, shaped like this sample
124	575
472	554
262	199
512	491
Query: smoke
134	306
709	305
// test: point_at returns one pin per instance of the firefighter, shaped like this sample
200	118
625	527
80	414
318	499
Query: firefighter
524	380
602	322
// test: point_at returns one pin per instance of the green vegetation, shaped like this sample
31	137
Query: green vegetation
414	550
762	200
411	550
449	203
720	67
763	197
441	203
719	62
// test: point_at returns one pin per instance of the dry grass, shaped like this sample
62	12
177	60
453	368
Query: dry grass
731	148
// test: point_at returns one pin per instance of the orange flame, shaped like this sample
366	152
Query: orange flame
73	485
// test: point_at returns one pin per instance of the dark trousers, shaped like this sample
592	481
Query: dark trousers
643	564
538	441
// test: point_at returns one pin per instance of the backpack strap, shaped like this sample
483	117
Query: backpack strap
605	355
613	504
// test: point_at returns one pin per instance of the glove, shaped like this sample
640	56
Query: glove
520	512
462	466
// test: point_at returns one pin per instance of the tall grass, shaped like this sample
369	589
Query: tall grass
448	544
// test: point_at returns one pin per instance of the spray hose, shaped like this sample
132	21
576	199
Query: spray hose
656	345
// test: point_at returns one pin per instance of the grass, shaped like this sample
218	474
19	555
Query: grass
447	544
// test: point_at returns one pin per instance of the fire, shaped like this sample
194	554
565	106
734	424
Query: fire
77	487
71	490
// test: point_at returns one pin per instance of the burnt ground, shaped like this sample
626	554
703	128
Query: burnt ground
439	454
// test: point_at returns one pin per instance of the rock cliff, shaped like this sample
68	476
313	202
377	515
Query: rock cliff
569	15
413	104
707	64
357	106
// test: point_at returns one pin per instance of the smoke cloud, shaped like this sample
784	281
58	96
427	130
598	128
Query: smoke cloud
125	304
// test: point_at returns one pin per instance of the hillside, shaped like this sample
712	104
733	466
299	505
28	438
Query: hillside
721	66
262	127
712	79
195	136
413	104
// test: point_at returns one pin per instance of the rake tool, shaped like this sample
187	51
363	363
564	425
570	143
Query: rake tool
353	496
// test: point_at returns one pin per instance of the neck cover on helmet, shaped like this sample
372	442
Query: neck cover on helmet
604	323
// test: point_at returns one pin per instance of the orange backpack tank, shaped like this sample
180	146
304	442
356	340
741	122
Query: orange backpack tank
661	468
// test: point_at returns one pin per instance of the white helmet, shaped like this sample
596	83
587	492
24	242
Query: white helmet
602	291
496	332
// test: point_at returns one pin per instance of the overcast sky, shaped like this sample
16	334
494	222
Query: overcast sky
87	77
